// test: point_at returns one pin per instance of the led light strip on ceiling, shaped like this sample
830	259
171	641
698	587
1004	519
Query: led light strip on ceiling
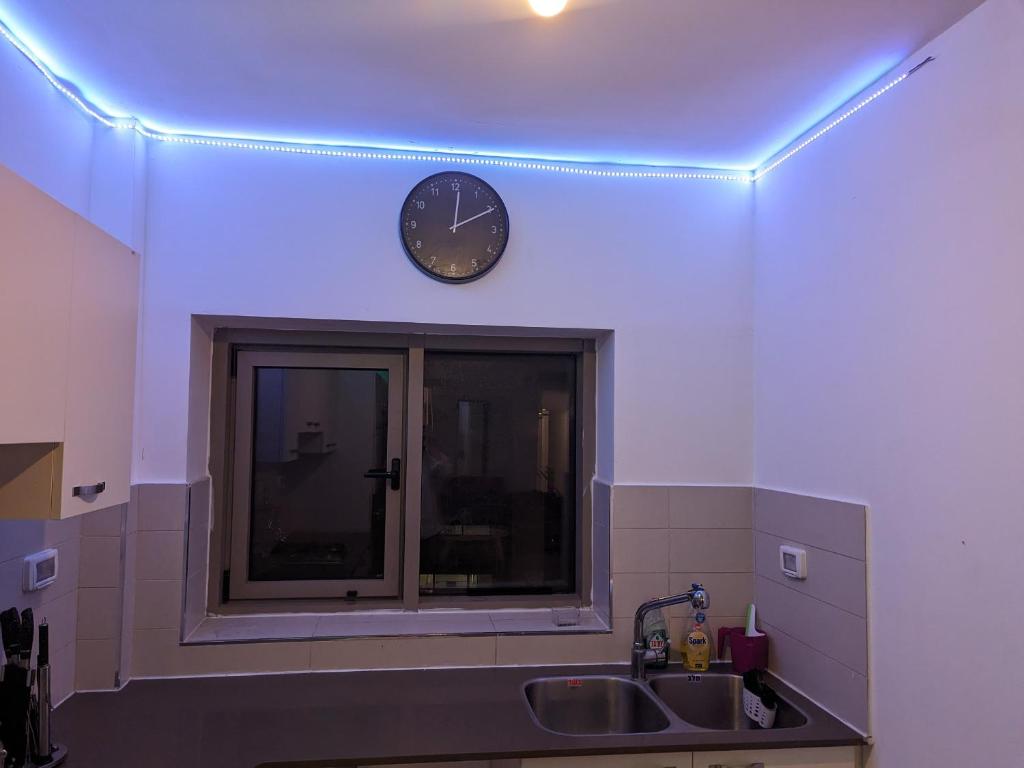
555	165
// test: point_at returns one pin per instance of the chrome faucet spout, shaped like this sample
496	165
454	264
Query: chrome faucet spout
697	596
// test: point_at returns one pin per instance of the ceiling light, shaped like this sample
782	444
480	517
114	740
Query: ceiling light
548	7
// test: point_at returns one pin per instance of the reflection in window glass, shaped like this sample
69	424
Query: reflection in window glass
498	504
314	516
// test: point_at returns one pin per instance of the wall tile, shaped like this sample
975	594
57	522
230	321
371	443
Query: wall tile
99	613
832	631
705	550
132	517
640	506
69	566
12	578
604	648
836	579
20	537
62	672
103	522
160	555
639	551
198	521
826	681
837	526
631	589
156	652
128	602
602	550
162	507
100	564
95	664
710	506
406	652
195	602
730	593
23	537
157	604
61	614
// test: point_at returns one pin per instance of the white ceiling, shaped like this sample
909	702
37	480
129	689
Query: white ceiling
720	83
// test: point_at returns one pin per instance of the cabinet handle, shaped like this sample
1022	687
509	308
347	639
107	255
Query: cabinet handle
89	490
748	765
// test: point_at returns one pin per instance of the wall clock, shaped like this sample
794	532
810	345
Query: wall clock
454	227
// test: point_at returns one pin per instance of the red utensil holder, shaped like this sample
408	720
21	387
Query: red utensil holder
747	652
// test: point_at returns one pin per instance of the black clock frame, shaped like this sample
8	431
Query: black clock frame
502	208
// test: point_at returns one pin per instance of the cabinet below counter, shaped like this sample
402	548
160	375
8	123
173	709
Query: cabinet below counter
807	757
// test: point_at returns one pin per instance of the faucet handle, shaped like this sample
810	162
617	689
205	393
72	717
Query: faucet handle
699	597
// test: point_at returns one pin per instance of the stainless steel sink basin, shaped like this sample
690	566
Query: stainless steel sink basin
715	700
594	705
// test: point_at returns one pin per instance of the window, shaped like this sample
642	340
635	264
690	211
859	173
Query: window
498	489
327	505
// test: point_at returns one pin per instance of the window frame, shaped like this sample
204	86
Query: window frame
230	342
246	363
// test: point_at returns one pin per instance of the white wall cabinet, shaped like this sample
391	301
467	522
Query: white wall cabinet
68	320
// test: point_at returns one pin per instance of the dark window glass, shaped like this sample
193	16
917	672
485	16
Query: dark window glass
315	433
498	512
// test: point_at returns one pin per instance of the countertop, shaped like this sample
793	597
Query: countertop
321	719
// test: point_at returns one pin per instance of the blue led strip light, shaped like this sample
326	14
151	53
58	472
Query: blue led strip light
569	167
800	143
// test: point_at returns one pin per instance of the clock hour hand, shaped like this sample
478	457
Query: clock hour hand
458	223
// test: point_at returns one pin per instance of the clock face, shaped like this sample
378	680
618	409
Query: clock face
454	226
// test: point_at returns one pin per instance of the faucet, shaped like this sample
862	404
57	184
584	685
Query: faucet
697	597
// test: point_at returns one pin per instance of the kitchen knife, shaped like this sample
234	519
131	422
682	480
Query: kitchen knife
26	638
10	628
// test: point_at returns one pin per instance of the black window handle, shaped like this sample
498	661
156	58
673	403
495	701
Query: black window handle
395	475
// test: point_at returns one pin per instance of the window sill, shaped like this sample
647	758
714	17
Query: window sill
426	623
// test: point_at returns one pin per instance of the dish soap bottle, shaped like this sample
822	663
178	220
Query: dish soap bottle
697	646
656	638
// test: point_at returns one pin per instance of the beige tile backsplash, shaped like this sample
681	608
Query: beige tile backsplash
640	568
818	626
105	622
705	538
100	599
58	603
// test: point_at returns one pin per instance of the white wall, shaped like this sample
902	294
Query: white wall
95	171
666	265
890	369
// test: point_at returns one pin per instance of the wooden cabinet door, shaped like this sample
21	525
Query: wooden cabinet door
811	757
100	370
36	241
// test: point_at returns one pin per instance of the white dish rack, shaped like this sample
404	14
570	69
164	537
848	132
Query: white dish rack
757	711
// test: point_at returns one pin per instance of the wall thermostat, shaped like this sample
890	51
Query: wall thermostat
40	570
793	561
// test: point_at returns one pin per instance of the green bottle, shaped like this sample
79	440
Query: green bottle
656	638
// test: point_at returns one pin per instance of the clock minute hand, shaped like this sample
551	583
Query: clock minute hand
460	223
455	221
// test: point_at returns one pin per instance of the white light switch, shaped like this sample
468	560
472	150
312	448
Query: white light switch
793	561
40	570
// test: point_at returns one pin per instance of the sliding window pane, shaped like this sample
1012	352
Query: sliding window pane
314	515
498	497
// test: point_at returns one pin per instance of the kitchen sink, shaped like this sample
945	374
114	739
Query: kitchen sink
715	701
594	705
